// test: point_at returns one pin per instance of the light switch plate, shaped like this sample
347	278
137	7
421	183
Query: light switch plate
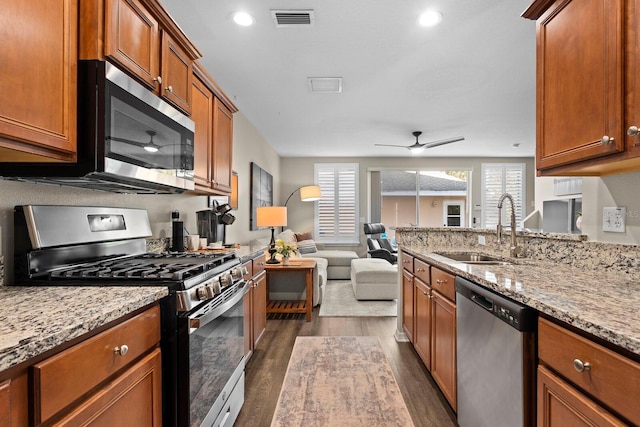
614	219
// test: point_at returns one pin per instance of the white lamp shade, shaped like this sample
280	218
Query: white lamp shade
310	193
271	216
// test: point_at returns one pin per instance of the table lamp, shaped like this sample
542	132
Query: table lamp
271	216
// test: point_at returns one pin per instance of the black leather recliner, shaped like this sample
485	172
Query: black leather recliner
379	247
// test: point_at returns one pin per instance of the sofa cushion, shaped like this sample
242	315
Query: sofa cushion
336	257
287	236
303	236
307	246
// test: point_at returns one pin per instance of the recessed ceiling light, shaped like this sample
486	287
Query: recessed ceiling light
516	145
243	18
430	18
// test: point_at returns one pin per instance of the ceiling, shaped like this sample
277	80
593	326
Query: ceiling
473	75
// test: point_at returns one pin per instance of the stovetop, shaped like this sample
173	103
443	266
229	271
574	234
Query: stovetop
168	266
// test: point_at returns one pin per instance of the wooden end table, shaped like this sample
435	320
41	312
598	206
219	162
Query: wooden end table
295	306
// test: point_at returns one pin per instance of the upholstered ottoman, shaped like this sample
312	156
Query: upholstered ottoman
374	279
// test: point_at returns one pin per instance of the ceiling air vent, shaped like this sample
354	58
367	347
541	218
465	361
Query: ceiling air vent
325	84
292	17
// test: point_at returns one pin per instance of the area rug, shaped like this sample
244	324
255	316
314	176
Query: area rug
339	301
339	381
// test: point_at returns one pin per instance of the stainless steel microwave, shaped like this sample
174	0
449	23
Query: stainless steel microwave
129	139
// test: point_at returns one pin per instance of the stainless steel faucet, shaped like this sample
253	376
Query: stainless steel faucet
514	249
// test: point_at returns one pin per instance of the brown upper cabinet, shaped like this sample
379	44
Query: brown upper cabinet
587	109
39	82
213	146
142	38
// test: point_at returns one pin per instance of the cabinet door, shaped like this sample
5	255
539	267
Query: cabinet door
443	346
133	399
222	146
177	73
632	106
132	39
39	80
561	405
579	81
202	115
407	303
422	332
259	307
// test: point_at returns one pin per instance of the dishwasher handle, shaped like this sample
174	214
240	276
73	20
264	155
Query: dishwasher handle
482	301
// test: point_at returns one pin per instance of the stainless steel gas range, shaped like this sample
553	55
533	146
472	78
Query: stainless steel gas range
202	318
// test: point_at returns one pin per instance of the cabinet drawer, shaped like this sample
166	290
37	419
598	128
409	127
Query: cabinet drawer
444	283
407	262
611	378
63	378
258	264
421	271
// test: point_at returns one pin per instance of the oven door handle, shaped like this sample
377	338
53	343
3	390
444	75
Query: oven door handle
198	320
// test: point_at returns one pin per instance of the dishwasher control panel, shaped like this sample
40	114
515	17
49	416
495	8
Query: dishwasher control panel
506	314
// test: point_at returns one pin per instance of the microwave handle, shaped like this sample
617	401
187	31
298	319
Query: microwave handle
198	321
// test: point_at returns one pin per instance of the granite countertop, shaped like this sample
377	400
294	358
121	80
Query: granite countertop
36	319
600	303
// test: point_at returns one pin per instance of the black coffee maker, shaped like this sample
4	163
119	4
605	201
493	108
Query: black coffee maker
212	223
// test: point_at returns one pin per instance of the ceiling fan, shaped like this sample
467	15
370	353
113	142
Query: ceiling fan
150	146
417	147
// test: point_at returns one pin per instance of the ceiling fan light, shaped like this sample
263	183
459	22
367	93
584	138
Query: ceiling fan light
417	149
151	148
430	18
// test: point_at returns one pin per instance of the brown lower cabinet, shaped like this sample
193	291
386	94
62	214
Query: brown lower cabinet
111	378
429	320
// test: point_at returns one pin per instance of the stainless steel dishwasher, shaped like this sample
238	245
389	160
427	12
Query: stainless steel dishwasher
495	358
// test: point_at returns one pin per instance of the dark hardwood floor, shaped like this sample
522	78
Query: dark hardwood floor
266	368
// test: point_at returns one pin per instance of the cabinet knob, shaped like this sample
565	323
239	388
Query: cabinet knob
633	131
581	366
158	80
122	350
607	140
169	89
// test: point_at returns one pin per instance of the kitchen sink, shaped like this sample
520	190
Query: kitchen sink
474	258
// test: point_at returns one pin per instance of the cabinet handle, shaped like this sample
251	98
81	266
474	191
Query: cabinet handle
440	282
122	350
158	80
607	140
581	366
169	89
633	131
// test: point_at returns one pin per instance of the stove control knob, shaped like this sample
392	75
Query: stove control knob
238	272
204	292
215	287
226	279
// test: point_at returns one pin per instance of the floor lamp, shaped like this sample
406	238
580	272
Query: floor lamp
271	216
308	193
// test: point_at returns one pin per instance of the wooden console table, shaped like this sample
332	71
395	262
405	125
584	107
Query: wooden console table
304	306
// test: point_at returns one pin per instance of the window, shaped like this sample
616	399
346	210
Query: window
453	214
497	179
336	213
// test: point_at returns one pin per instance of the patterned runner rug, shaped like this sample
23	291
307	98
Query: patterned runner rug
339	301
339	381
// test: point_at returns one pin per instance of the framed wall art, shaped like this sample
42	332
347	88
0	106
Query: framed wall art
261	192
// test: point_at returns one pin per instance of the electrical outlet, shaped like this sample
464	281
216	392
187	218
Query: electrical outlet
481	240
614	219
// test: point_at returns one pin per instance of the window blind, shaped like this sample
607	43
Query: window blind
336	213
497	179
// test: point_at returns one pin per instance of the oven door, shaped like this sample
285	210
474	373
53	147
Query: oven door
211	359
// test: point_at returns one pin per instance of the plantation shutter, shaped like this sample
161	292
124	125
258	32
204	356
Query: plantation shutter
336	216
497	179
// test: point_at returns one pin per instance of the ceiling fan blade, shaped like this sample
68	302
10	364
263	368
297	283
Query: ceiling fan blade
443	142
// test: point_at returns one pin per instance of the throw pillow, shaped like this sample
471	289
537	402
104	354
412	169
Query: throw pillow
287	236
307	246
303	236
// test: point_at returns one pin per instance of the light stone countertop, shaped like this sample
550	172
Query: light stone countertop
36	319
603	304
